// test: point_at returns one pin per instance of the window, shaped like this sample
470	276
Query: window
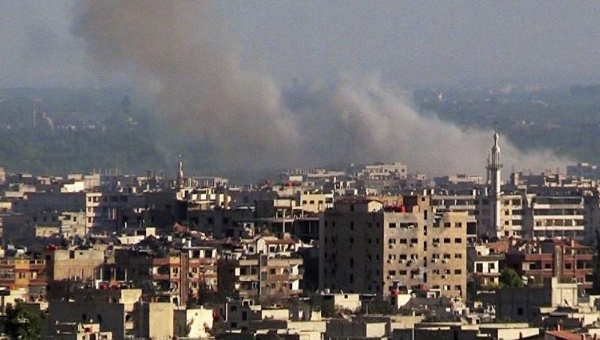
458	225
447	240
520	311
457	272
458	256
392	225
392	272
458	240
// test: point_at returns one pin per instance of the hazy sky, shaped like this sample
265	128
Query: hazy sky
408	42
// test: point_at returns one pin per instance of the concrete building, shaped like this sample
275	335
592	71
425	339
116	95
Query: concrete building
483	266
357	328
80	331
548	217
394	248
170	274
565	259
193	322
113	310
154	320
265	267
75	263
24	273
584	170
522	304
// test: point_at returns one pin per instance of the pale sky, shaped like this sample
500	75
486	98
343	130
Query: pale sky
407	42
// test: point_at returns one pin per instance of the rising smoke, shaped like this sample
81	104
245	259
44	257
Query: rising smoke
237	118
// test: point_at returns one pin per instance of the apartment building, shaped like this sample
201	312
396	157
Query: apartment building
393	248
168	273
567	260
24	273
261	276
114	310
511	219
547	217
466	201
76	263
263	267
483	266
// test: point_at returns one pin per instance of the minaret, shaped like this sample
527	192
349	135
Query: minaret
494	183
179	182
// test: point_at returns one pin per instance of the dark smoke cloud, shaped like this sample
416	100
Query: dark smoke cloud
238	118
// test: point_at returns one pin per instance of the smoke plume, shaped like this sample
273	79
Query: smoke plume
237	118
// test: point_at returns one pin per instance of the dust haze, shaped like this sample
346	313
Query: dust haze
234	116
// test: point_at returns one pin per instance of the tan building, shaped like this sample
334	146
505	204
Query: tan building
113	310
368	247
265	266
193	323
24	273
74	264
154	320
174	274
80	331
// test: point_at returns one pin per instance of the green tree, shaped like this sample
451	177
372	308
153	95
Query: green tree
23	322
510	278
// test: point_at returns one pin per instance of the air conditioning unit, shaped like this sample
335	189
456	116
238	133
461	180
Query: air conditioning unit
444	276
435	245
444	261
389	277
434	261
389	261
391	246
413	245
401	261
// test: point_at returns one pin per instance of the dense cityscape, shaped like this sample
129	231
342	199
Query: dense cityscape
375	252
299	170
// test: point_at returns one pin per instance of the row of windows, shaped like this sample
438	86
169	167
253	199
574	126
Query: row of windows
449	225
446	256
447	287
96	199
447	240
446	272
